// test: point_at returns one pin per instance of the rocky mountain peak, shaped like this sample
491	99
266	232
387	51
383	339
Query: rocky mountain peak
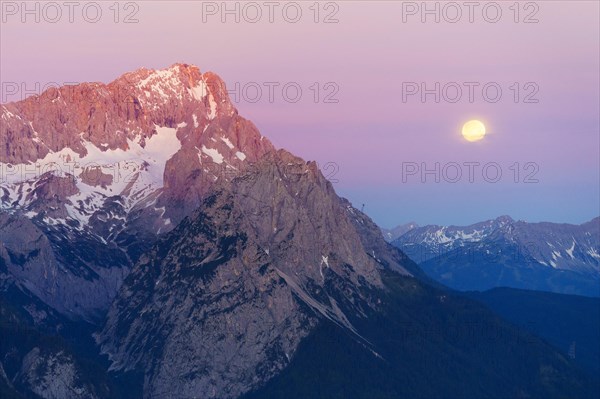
115	165
174	128
110	115
504	222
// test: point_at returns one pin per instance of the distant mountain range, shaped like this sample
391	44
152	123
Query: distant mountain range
563	258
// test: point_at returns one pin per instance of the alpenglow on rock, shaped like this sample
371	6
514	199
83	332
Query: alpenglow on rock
102	170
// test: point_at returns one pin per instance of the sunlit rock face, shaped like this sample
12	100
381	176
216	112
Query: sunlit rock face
102	170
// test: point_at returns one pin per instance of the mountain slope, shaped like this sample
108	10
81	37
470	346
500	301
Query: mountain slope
37	362
432	345
569	322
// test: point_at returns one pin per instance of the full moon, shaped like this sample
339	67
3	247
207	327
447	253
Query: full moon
473	130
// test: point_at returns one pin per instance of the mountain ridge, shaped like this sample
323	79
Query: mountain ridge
550	256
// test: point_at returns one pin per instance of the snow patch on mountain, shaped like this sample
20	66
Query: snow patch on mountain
165	82
214	154
199	92
227	142
134	173
570	250
213	106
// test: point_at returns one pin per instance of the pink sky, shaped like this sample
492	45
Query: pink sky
371	132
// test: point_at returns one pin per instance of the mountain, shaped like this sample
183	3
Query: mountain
392	234
268	256
93	173
560	258
569	322
212	311
167	249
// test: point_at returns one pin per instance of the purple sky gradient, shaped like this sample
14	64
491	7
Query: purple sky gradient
370	133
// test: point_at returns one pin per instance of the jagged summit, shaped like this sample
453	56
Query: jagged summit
126	168
107	116
504	220
178	75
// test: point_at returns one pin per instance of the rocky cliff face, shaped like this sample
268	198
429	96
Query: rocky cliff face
109	116
68	272
35	362
223	301
53	376
102	170
150	138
